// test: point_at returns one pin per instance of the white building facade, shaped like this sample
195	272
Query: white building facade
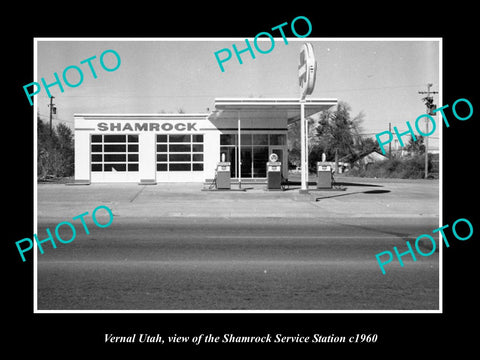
155	148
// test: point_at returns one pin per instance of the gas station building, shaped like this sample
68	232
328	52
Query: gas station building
153	148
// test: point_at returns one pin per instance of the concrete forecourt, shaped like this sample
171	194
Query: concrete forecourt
174	247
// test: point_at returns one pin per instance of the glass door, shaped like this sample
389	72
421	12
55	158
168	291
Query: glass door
246	159
260	158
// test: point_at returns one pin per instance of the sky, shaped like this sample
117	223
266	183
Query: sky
378	77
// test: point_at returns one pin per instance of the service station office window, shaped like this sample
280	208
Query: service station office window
114	153
255	149
180	152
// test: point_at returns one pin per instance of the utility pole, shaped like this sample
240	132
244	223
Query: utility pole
430	107
390	143
51	112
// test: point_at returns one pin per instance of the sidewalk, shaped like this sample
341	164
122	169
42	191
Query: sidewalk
361	198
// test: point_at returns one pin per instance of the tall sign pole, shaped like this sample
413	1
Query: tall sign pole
303	142
306	77
239	153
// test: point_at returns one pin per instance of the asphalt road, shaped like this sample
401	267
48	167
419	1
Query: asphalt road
238	264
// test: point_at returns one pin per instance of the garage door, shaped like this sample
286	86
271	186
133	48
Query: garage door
114	158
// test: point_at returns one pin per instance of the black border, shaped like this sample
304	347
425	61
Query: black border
403	333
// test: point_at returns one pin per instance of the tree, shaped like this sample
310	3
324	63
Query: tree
294	141
416	147
55	155
333	132
337	133
65	148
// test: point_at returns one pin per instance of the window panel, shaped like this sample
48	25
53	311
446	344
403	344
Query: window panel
96	148
162	138
162	167
197	147
229	152
197	138
132	157
161	157
114	138
246	139
115	148
115	157
132	167
116	167
260	155
96	138
197	167
133	148
180	166
260	139
180	148
96	167
278	139
180	138
133	138
162	148
246	164
180	157
96	157
228	139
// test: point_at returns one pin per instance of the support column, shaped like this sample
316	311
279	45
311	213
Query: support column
239	163
303	152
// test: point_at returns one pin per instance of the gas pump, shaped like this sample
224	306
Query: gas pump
324	175
274	173
223	175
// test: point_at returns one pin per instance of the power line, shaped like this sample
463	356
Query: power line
135	96
371	88
216	95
